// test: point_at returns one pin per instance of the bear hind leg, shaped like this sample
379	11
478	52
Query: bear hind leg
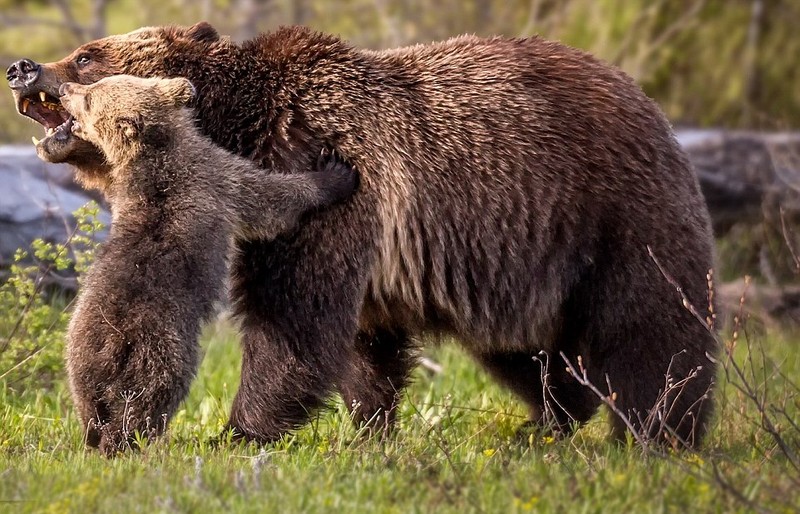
673	407
557	402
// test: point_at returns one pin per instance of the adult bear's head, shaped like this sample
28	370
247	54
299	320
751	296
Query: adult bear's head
147	52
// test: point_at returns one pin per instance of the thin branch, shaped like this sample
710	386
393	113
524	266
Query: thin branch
609	399
684	299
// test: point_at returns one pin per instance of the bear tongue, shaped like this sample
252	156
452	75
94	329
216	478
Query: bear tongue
63	131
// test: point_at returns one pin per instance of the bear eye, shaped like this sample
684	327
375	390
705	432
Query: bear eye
83	59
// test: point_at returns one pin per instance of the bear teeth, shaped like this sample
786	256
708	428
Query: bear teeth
42	96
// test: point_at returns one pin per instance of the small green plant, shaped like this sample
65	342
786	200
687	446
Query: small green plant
32	323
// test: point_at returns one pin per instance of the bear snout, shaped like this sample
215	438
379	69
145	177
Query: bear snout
65	88
23	74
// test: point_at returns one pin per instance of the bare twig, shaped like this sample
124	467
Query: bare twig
582	376
684	299
744	384
549	418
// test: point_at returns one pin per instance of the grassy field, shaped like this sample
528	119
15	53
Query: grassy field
455	451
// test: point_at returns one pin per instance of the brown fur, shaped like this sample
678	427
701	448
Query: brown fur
177	202
510	188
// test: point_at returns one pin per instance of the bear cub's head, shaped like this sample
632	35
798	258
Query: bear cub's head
125	116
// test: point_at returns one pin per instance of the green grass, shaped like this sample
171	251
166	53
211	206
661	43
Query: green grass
455	450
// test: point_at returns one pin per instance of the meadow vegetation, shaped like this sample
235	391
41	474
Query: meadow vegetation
457	447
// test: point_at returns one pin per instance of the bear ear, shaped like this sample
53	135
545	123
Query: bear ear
130	126
202	32
179	90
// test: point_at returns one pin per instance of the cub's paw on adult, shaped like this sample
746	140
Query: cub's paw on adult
336	176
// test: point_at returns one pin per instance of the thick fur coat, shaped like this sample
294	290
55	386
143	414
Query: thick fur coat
510	189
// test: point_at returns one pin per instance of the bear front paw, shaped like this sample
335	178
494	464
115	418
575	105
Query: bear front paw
340	178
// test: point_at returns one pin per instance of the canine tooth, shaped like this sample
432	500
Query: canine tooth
50	131
35	141
42	96
25	103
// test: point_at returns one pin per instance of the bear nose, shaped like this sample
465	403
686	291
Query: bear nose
22	73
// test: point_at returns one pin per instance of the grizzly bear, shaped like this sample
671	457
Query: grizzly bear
177	202
511	193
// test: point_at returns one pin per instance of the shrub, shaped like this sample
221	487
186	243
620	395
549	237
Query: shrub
33	315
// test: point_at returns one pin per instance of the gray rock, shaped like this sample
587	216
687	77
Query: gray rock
742	173
36	201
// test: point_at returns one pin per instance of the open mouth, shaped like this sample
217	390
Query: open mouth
47	110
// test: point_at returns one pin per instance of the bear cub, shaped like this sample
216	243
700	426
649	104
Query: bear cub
178	202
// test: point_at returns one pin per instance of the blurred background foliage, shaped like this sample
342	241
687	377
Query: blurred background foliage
722	63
